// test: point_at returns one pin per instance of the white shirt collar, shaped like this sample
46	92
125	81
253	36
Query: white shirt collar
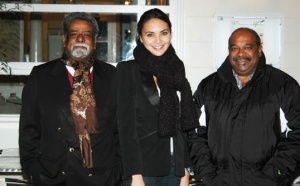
72	71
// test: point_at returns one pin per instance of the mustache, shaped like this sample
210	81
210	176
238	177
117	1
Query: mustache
80	45
80	50
241	58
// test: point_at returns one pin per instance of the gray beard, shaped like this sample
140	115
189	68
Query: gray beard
80	52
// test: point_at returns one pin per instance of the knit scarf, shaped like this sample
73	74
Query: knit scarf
83	106
170	73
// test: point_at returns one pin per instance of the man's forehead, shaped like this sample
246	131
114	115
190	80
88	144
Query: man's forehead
80	24
80	30
243	38
243	33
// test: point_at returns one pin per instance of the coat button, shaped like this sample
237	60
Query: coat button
90	175
59	129
63	172
71	149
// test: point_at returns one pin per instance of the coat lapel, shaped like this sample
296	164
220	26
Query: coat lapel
100	85
62	96
62	89
149	88
104	96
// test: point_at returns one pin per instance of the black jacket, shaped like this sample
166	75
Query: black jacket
242	142
49	147
142	150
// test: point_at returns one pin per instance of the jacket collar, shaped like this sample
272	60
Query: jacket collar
225	70
149	86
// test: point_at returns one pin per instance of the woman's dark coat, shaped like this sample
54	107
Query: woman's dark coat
49	147
142	150
243	143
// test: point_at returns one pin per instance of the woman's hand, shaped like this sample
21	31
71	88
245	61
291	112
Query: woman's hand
137	180
185	180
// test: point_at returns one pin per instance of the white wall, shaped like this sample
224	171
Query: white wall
9	132
199	32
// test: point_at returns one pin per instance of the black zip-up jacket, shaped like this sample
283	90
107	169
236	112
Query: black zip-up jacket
243	141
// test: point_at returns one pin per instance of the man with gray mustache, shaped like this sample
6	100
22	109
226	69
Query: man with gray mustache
249	114
67	122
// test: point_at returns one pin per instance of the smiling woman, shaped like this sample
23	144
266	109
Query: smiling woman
156	36
151	128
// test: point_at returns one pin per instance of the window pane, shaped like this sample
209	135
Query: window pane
10	94
11	35
37	37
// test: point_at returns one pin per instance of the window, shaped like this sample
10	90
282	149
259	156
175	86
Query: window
37	35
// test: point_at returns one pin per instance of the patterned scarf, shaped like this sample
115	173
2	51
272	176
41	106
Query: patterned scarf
83	106
170	73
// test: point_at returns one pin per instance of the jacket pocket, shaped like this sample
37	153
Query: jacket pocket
47	171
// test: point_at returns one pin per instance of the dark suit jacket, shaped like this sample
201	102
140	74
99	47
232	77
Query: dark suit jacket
49	148
142	150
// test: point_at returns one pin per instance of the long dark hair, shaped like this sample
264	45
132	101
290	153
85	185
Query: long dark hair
152	13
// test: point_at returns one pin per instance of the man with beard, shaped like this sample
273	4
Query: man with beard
67	121
249	113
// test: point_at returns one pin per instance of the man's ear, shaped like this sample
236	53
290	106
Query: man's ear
260	50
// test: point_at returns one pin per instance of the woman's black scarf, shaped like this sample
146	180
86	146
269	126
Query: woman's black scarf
170	73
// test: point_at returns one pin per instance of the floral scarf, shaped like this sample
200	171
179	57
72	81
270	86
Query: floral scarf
83	106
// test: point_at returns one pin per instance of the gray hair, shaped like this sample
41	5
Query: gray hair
80	16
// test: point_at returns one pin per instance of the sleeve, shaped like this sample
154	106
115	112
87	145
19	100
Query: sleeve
198	146
126	119
29	125
287	155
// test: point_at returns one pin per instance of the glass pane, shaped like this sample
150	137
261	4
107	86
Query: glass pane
11	35
37	37
157	2
10	93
